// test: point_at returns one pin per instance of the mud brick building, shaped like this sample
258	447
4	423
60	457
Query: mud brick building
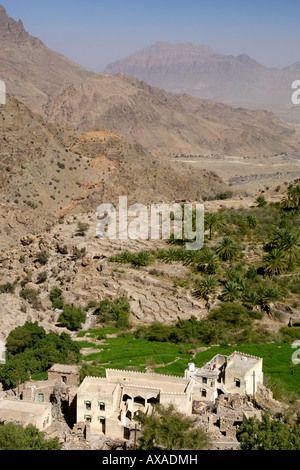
110	404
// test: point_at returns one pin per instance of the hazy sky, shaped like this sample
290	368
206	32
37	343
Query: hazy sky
94	33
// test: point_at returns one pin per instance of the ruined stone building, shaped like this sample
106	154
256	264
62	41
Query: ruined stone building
235	374
219	392
65	374
110	404
43	403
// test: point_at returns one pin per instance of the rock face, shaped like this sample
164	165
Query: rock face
13	31
165	123
204	73
151	292
48	172
31	71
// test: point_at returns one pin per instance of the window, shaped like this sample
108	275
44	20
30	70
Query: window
102	422
102	406
41	398
126	433
203	393
88	405
64	379
237	383
88	418
204	380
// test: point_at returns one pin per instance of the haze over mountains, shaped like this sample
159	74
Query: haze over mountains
31	71
166	123
162	122
204	73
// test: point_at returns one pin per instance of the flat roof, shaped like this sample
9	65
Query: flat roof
207	373
241	362
101	388
157	382
20	411
64	368
167	384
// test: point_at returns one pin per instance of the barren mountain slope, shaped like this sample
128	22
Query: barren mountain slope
30	70
204	73
165	123
152	296
156	293
47	171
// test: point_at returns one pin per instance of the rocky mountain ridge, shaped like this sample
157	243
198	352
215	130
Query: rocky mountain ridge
204	73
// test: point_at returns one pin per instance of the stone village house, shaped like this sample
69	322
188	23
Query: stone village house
108	406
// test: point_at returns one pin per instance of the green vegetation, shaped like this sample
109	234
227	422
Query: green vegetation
115	313
255	249
82	228
130	351
14	437
56	298
261	202
32	296
229	323
71	317
31	350
251	259
169	430
7	288
42	257
269	434
143	258
125	352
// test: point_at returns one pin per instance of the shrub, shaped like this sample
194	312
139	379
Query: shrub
116	312
42	277
82	228
42	257
71	317
31	295
56	298
7	288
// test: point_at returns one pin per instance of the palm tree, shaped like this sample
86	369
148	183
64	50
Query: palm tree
232	274
231	291
125	258
228	249
274	262
251	220
269	295
207	261
289	204
288	242
213	220
251	299
261	202
141	259
206	288
292	200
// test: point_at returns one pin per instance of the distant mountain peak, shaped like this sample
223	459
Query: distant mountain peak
2	11
13	30
177	49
